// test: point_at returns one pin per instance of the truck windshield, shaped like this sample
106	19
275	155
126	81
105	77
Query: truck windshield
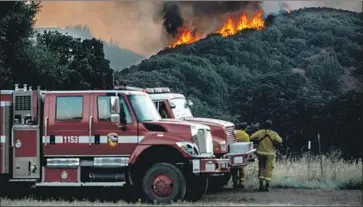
144	107
181	108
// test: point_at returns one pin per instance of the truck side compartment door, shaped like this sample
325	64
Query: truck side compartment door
25	139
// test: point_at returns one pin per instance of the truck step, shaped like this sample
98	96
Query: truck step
22	180
69	184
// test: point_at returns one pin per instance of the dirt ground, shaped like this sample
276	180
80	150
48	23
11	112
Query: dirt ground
225	197
288	197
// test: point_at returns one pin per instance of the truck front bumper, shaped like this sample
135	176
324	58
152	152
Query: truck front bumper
210	165
238	160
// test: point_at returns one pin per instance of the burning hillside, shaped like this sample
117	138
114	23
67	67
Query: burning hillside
230	27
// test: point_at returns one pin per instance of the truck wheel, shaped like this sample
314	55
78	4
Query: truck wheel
216	183
196	188
163	183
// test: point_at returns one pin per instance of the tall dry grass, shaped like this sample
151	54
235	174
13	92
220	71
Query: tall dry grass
309	172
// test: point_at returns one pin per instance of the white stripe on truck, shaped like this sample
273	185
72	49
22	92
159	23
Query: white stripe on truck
2	139
5	103
88	139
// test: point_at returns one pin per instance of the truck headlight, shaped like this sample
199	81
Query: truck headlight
220	146
223	145
188	147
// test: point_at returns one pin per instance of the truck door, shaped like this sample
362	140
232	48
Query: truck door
66	124
164	111
113	138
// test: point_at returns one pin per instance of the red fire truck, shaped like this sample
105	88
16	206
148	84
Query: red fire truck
174	106
103	138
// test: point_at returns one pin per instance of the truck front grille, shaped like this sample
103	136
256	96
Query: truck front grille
204	141
231	137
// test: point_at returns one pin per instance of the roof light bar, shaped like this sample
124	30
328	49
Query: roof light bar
149	90
158	90
146	90
129	88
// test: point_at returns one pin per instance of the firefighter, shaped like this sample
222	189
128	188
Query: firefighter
240	175
267	141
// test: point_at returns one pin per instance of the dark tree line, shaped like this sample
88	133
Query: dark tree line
51	60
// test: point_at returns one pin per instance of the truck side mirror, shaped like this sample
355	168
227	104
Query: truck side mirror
115	118
190	103
115	109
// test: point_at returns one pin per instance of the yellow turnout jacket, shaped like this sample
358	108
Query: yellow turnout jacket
266	139
242	136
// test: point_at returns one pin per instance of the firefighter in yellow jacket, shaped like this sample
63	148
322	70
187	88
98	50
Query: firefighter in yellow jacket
267	140
241	136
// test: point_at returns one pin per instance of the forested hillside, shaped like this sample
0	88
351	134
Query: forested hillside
303	71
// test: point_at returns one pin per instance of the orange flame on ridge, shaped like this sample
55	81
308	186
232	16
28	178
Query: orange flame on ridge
186	37
229	28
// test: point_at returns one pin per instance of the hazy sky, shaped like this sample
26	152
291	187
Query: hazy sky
137	25
353	5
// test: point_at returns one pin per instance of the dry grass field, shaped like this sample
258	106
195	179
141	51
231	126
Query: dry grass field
295	183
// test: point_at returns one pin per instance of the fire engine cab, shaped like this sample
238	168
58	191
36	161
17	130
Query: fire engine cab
103	138
174	106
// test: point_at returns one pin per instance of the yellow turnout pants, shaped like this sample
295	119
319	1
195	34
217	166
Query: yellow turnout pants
265	166
242	174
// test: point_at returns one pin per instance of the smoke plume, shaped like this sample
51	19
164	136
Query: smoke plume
136	26
143	27
202	15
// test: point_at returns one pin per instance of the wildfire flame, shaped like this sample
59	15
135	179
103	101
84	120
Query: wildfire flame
186	37
229	28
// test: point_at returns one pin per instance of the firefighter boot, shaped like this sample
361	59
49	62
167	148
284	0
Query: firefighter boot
242	178
261	186
267	186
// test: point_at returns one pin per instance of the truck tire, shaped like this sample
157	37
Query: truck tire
196	188
216	183
4	186
163	183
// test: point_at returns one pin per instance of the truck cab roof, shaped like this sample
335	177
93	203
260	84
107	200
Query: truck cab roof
95	91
